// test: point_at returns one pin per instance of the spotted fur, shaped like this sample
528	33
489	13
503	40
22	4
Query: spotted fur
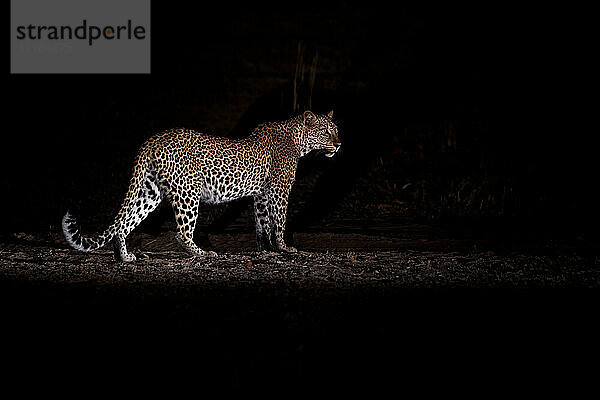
187	167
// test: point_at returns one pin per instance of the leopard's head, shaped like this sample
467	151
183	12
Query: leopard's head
320	133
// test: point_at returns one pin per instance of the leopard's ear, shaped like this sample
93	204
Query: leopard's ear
330	114
309	117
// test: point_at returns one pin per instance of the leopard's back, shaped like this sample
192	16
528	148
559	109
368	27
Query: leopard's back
217	169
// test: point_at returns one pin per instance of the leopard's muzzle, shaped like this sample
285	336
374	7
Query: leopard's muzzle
331	150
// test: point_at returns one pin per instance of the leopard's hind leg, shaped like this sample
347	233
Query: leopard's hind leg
185	207
148	198
121	253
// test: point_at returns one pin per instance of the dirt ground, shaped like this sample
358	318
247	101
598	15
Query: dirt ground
335	261
329	314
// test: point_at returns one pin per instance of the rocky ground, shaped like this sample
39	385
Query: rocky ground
329	260
325	314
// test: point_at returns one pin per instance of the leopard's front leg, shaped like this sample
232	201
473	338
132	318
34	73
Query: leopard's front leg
278	202
263	223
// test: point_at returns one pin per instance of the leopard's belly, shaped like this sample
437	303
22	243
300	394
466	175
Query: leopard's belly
229	185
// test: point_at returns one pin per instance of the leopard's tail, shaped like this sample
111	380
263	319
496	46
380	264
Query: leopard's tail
79	242
71	229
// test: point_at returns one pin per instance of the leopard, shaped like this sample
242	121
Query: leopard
187	167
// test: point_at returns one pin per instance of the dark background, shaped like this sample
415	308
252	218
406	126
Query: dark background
471	118
489	102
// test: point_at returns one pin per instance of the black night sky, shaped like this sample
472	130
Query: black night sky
475	121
